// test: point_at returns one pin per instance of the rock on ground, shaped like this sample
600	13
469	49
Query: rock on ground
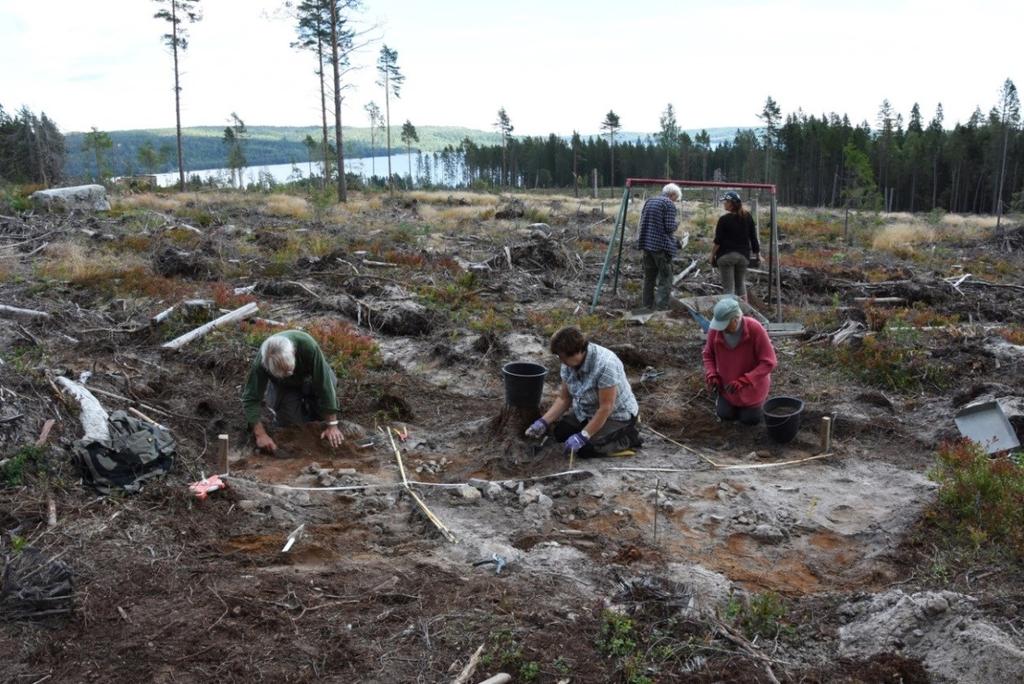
941	628
84	197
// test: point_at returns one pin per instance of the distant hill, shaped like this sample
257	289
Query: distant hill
266	145
284	144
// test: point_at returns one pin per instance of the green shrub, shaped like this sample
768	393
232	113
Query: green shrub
893	360
13	472
980	499
757	614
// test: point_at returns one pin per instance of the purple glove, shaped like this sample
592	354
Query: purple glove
538	429
576	442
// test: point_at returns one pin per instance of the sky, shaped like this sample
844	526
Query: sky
554	65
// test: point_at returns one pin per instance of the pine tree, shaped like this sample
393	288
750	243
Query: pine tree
99	143
1008	111
935	137
703	141
668	136
176	13
576	144
234	140
770	115
391	79
376	123
409	136
341	46
505	128
611	126
313	29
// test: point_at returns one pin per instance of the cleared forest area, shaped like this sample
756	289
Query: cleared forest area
707	556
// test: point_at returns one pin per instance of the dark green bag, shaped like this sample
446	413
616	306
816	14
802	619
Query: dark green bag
136	452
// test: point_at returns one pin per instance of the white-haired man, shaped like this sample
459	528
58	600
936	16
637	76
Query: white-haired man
293	373
658	242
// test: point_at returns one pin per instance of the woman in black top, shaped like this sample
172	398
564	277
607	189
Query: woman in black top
735	245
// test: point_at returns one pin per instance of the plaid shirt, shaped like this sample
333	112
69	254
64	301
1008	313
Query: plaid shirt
601	369
658	225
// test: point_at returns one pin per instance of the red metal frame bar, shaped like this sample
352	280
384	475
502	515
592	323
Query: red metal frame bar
630	182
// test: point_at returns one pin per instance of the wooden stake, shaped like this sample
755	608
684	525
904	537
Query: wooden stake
826	434
222	453
657	491
45	433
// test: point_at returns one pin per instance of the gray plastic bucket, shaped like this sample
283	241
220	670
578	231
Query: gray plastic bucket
524	383
782	418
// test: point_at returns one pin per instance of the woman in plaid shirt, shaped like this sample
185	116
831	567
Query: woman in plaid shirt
595	412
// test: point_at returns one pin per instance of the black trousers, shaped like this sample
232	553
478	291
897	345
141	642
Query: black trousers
748	415
614	436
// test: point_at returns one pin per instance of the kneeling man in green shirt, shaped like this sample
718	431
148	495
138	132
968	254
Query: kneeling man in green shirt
298	382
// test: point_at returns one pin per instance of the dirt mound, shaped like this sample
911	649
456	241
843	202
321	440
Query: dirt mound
171	262
941	628
512	209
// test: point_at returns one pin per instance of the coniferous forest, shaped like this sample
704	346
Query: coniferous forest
910	164
900	163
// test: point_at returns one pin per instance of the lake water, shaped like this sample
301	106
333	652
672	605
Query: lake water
283	173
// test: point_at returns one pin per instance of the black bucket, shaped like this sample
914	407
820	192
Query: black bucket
782	418
524	383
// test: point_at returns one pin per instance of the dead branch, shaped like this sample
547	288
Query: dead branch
686	271
238	314
470	667
163	315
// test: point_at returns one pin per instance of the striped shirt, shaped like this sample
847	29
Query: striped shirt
658	225
601	369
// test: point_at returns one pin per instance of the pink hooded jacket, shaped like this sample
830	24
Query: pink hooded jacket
750	364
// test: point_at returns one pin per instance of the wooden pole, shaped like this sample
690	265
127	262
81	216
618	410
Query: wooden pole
826	434
222	454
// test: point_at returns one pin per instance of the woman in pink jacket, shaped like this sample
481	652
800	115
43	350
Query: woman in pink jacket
738	363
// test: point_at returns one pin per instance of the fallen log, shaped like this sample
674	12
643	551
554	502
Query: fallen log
93	416
163	315
15	312
880	300
238	314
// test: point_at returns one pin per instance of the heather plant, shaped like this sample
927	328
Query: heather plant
980	498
